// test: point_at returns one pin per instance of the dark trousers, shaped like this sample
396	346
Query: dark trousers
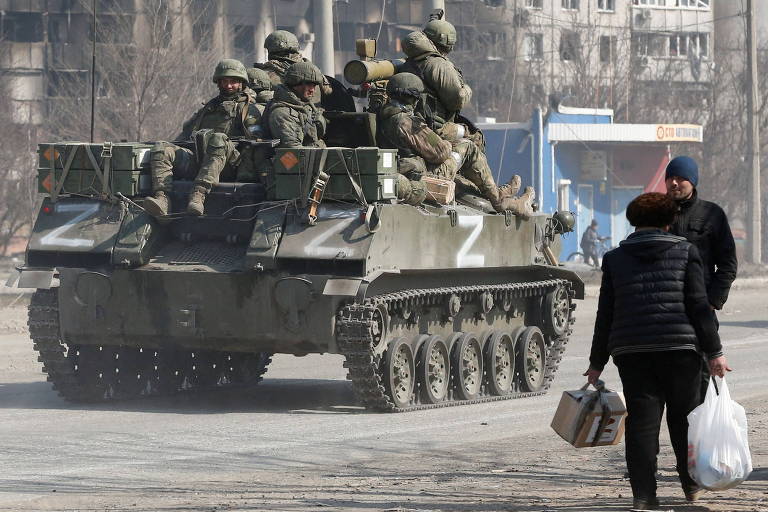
651	381
591	254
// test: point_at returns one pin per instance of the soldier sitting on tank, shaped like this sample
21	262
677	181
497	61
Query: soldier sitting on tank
261	85
446	92
422	151
291	116
283	51
233	113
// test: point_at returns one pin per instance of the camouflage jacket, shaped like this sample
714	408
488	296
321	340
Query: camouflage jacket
232	116
446	91
399	128
295	122
277	67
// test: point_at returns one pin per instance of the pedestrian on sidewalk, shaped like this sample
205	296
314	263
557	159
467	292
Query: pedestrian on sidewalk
705	225
655	320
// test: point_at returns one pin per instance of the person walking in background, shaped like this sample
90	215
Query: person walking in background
589	243
705	225
654	318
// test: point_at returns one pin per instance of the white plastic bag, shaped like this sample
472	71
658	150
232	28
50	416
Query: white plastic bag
718	449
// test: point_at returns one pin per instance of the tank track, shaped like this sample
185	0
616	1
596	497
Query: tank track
356	332
88	373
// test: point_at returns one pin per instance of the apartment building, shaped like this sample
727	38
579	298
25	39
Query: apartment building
514	52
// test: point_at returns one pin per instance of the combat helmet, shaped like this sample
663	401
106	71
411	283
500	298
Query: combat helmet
303	72
405	84
258	79
442	33
281	41
230	68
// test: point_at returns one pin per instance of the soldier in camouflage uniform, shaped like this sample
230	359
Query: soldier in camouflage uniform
291	116
283	52
423	150
233	113
446	91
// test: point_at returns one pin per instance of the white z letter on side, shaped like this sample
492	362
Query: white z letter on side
55	237
463	259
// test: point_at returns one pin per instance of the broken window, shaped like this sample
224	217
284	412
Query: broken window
569	45
534	46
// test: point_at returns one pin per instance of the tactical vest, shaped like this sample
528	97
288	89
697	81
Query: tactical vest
226	116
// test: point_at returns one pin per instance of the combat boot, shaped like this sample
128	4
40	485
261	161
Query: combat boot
197	201
521	206
159	205
510	188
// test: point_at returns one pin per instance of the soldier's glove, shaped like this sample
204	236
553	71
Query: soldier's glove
452	132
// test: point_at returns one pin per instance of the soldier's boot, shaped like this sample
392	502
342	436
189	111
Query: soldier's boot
196	204
510	188
159	205
521	206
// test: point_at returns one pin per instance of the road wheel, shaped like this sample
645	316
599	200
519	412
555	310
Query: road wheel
531	359
500	363
557	311
399	372
434	370
468	367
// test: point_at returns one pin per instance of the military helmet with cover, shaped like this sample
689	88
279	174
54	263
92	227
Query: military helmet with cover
281	41
442	33
303	72
259	80
230	68
405	84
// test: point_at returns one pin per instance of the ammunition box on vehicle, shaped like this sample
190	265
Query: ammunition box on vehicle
374	169
81	166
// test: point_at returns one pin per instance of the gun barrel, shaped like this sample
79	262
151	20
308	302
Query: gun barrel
357	72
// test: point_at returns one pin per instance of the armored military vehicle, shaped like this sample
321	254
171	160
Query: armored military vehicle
430	305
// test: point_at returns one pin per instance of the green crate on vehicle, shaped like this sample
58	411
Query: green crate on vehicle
375	187
358	160
85	182
374	169
126	156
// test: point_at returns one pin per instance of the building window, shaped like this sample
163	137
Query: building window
112	28
569	45
22	27
534	47
68	84
244	40
606	5
692	4
648	44
202	35
570	5
684	44
607	48
534	4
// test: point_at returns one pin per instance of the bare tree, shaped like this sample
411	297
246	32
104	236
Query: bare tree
153	69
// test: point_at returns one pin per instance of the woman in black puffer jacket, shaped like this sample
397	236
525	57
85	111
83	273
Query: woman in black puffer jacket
654	318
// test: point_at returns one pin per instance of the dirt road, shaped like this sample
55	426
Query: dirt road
298	442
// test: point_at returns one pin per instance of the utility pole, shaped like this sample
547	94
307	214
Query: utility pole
323	21
93	73
264	27
753	123
431	5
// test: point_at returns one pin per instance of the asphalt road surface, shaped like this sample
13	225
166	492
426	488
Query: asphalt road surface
298	441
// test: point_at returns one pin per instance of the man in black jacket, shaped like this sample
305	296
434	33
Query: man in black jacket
705	225
655	320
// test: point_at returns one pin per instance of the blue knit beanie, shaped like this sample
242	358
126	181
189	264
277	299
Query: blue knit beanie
685	167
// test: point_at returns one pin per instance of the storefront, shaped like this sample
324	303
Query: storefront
578	159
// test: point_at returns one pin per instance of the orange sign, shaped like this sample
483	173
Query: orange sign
289	160
678	133
47	182
50	154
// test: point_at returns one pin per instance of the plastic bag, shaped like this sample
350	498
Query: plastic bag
718	449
